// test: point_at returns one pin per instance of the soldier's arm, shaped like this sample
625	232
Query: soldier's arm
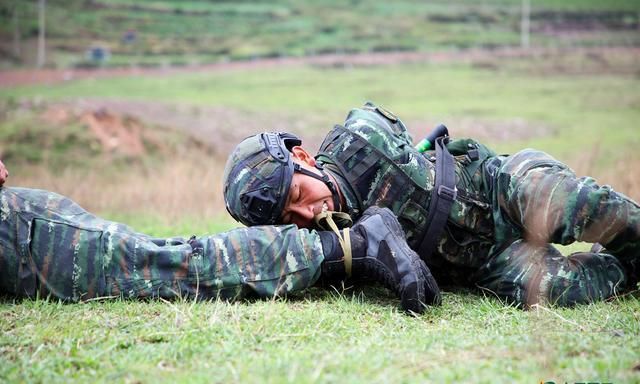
3	173
271	260
276	260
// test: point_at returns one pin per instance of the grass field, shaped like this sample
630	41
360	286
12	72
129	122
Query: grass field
322	336
582	107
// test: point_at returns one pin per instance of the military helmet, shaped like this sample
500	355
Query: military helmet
257	177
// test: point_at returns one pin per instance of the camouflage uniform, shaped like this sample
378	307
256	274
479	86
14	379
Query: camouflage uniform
51	246
507	211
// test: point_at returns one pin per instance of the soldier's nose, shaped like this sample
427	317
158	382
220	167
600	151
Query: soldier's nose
307	213
303	212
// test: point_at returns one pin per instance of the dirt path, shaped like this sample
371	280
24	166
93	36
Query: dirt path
13	78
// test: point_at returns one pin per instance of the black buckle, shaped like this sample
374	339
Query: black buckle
473	154
447	193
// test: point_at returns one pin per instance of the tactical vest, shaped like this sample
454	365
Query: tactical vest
385	170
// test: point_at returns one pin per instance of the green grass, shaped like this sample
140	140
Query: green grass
356	335
158	226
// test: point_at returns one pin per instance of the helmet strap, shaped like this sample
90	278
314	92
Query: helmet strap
326	180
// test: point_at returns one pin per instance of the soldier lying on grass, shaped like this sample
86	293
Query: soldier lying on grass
477	219
50	246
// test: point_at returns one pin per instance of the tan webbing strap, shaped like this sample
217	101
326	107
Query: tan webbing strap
325	221
346	249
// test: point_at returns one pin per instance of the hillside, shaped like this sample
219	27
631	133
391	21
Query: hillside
88	33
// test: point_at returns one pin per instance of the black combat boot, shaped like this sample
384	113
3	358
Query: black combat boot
379	252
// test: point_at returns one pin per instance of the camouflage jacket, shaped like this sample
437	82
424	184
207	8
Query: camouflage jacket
374	162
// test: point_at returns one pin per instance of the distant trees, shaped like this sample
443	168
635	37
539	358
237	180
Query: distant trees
42	57
20	20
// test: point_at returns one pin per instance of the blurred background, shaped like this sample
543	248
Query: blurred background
131	107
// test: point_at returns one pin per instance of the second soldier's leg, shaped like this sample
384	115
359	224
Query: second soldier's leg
525	274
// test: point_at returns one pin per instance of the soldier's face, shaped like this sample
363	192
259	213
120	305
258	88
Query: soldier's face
308	196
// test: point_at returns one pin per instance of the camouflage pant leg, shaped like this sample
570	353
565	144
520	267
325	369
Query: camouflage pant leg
49	246
547	203
525	274
15	276
540	200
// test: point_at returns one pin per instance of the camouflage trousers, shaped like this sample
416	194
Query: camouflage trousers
537	201
50	246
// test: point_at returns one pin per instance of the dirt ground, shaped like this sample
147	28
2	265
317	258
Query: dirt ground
222	128
482	57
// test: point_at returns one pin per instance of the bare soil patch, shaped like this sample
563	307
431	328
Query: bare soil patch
118	123
220	128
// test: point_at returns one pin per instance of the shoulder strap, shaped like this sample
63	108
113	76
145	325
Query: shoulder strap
341	158
442	197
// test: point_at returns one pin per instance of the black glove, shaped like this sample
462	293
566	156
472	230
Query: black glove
375	249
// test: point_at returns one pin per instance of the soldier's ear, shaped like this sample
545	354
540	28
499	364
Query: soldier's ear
303	156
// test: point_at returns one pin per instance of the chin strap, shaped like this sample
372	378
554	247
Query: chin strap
325	179
325	221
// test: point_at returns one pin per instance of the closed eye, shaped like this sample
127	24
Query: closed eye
296	194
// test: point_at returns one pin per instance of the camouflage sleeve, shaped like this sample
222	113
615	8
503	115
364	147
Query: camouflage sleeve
265	261
50	246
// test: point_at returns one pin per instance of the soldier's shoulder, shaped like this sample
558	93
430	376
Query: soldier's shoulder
374	119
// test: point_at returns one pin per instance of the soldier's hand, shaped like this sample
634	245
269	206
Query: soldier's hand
3	173
387	259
